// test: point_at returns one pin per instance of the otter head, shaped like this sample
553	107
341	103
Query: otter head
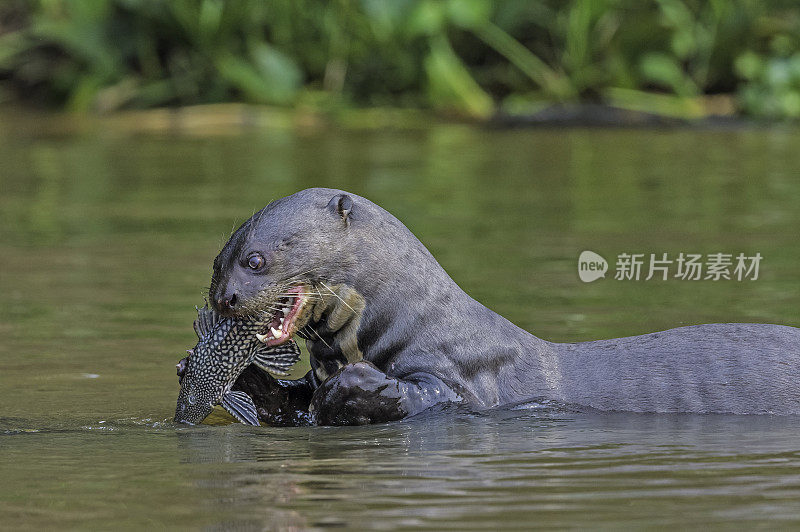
290	262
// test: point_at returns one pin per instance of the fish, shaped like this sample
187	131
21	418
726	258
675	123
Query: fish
225	347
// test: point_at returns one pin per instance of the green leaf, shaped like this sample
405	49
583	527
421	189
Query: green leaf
790	102
749	65
271	77
83	94
279	71
469	13
664	70
427	18
552	82
10	45
451	86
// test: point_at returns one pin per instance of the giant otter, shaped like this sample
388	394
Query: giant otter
391	334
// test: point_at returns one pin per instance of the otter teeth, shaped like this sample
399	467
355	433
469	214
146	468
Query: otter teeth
275	333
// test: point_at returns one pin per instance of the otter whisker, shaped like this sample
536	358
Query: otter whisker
272	308
294	294
320	294
297	276
318	336
338	296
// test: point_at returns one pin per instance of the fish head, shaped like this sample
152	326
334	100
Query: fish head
223	350
225	347
202	387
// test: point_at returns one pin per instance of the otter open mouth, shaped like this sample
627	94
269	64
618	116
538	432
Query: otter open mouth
284	321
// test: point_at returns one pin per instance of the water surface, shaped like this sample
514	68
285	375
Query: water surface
106	243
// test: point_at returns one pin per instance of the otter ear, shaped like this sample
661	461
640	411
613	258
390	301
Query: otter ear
341	204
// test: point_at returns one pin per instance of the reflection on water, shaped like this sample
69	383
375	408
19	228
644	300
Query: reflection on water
106	242
506	470
449	470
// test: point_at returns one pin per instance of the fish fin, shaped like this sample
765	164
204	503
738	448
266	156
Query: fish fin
207	320
239	405
277	360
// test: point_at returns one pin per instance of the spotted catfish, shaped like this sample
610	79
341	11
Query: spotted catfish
225	347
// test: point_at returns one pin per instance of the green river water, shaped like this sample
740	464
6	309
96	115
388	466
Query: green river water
106	243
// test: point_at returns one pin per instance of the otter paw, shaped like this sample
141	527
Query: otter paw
358	394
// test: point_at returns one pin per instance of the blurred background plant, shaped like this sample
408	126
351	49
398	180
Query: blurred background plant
466	57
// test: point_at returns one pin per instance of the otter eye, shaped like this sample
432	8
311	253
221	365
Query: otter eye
255	261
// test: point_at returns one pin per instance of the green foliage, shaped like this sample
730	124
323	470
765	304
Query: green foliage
773	87
471	57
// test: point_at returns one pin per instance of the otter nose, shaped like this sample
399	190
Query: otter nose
227	303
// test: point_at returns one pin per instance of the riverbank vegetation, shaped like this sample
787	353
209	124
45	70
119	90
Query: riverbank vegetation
463	57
